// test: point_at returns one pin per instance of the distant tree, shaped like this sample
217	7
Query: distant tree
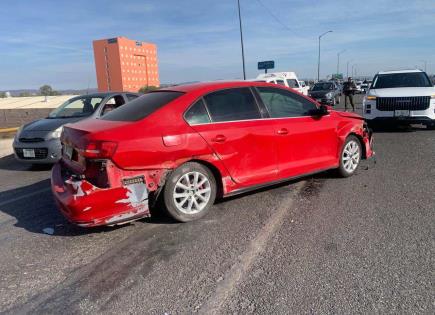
24	94
2	94
146	89
46	90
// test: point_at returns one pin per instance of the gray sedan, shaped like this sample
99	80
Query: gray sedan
38	142
325	93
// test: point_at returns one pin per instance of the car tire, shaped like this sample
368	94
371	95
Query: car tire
189	192
431	126
350	156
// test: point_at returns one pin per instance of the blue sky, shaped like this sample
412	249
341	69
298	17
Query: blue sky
51	41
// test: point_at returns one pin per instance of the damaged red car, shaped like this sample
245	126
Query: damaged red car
188	145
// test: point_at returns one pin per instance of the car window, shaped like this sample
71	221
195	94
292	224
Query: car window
112	103
142	106
282	103
400	80
81	106
131	97
322	86
232	104
280	82
292	83
197	114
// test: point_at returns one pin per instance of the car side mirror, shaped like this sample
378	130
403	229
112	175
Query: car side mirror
322	110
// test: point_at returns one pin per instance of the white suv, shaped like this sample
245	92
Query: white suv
402	96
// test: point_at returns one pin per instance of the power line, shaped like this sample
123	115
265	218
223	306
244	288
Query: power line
275	17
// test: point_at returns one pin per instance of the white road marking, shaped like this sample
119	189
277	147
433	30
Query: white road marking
226	287
2	203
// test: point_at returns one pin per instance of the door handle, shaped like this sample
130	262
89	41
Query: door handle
282	131
219	138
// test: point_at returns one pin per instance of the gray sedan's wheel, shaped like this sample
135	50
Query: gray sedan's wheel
350	156
431	126
189	192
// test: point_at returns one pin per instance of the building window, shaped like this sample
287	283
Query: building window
112	40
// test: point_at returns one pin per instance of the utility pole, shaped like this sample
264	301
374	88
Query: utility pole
241	40
318	61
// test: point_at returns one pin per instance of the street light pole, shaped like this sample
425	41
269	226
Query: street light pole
338	60
425	64
347	68
318	61
241	40
353	66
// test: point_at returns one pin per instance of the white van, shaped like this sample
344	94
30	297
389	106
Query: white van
288	79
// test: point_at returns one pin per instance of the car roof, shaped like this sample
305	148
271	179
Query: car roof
215	85
400	71
273	75
105	94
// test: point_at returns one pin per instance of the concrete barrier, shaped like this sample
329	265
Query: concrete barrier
10	118
16	111
6	147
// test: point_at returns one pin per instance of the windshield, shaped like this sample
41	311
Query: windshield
142	106
322	86
292	83
82	106
399	80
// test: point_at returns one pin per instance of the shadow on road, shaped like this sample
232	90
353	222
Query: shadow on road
313	180
394	128
9	163
34	210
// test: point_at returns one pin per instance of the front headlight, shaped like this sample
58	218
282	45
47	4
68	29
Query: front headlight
329	95
371	97
56	134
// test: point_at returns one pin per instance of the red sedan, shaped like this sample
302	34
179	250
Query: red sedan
187	145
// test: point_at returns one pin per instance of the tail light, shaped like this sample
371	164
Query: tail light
99	150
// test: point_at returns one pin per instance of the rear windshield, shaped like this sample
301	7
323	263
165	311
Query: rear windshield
142	106
399	80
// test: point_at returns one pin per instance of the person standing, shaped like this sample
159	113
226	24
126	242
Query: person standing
349	88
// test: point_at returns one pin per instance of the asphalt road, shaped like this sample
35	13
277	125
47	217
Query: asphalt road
321	245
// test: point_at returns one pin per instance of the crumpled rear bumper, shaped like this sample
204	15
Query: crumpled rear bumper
87	205
368	142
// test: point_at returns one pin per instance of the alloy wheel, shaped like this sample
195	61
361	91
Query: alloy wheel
192	192
351	156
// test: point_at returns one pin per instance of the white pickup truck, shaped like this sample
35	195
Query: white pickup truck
402	97
288	79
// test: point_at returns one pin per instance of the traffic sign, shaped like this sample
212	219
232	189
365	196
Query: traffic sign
264	65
